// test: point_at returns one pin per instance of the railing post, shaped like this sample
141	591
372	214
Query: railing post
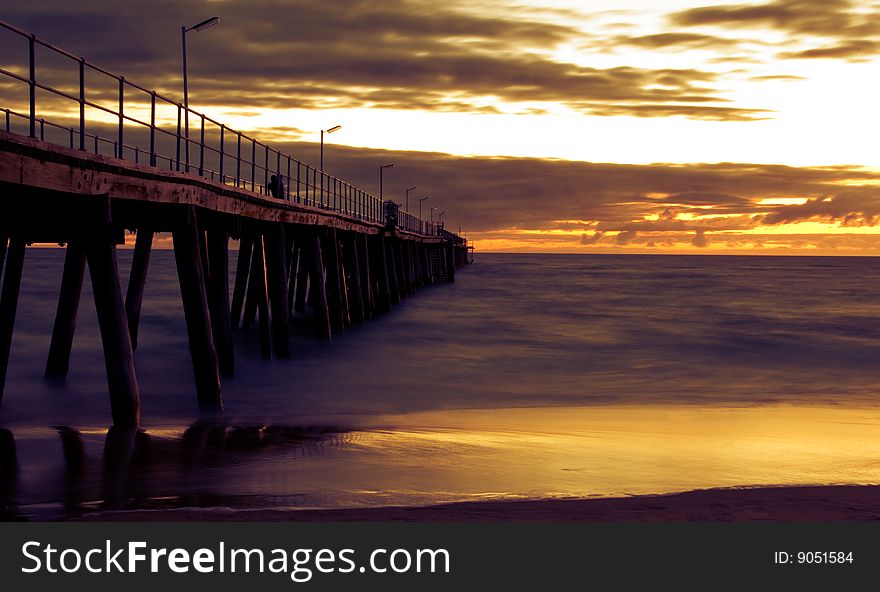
153	128
266	170
253	163
177	159
82	104
121	116
222	152
238	162
287	195
202	147
32	83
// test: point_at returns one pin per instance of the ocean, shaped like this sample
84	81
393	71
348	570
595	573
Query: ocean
531	376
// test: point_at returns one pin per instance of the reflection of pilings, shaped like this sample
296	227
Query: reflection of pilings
74	464
8	476
118	447
73	450
8	462
9	303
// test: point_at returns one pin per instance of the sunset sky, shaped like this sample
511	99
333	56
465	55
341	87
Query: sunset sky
541	125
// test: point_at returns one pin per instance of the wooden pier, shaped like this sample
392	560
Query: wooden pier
290	257
306	241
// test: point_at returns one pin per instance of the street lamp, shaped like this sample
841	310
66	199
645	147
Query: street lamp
381	171
432	213
421	199
335	128
440	217
209	22
407	197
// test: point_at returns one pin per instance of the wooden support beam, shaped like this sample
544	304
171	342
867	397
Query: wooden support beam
302	277
137	279
64	328
292	270
4	243
333	284
429	268
411	266
218	297
9	303
245	247
122	380
365	263
352	265
314	259
391	264
403	279
344	285
380	266
187	254
258	298
450	264
276	279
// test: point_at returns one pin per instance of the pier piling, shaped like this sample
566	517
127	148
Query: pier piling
64	327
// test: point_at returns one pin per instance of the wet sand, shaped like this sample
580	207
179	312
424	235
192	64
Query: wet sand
833	503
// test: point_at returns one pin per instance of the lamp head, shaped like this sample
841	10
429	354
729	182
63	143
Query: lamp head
209	22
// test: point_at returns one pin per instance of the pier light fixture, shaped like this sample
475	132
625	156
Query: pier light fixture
407	197
335	128
205	24
421	199
381	174
440	216
432	213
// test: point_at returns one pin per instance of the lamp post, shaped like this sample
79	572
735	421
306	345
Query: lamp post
209	22
421	199
440	217
335	128
381	173
407	198
432	213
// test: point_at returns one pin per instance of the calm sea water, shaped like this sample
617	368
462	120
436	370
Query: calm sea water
531	376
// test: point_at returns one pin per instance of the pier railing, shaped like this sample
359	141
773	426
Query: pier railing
153	129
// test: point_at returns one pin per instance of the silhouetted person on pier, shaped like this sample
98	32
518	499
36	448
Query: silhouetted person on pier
276	187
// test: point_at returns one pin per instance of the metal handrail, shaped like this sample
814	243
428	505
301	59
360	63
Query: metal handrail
301	183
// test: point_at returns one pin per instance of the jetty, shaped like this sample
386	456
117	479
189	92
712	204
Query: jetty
81	166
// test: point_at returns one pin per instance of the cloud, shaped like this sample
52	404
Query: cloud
393	54
680	41
625	237
849	208
592	239
700	239
804	22
854	50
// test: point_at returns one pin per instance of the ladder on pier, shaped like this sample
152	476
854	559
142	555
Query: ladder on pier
438	267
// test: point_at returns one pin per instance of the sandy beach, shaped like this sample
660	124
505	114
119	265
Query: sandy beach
834	503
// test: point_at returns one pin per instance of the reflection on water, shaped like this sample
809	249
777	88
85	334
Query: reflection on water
608	375
436	457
